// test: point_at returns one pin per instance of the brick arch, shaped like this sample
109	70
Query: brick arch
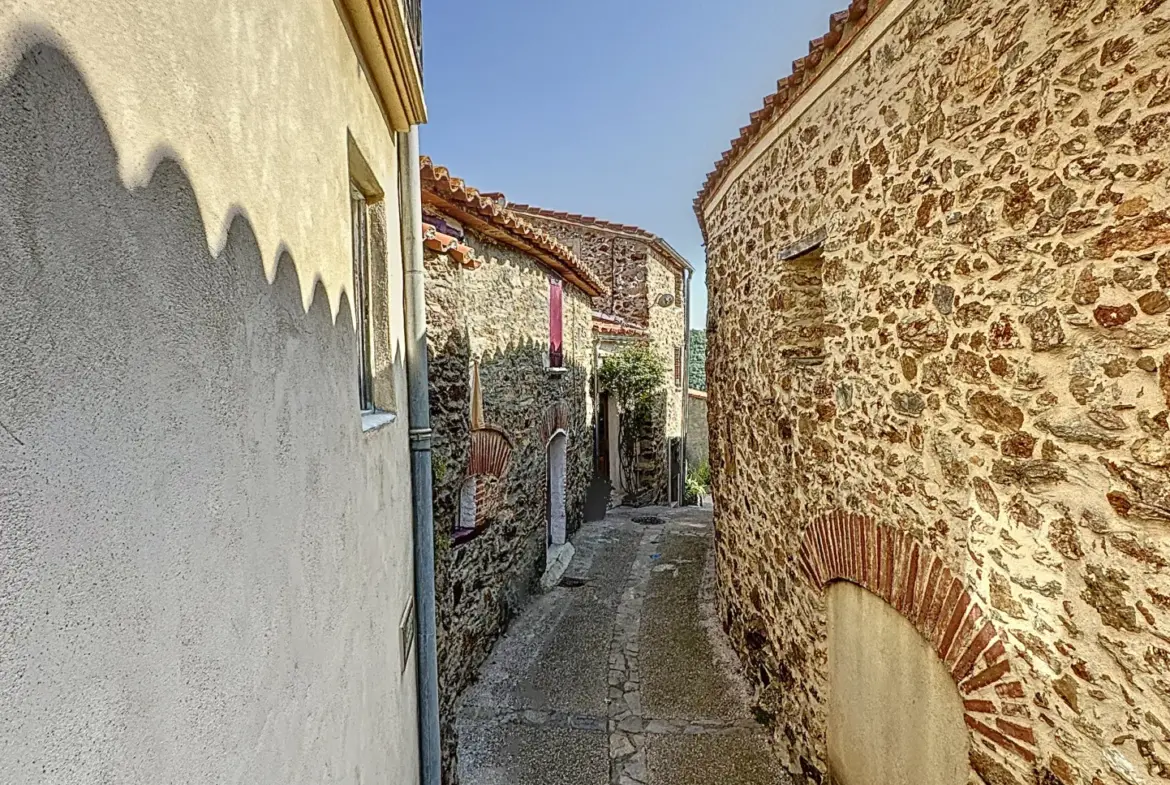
556	419
491	452
914	580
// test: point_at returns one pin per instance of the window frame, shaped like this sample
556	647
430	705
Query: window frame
376	294
360	229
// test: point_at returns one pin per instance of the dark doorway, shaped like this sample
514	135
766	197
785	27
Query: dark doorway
675	470
603	436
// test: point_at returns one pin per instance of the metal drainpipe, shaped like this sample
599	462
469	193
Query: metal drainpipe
419	407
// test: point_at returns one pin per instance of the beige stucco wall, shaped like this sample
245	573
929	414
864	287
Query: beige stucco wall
205	559
991	182
895	716
253	99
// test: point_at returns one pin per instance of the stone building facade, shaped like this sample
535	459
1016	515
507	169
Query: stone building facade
511	415
645	301
697	439
206	527
939	369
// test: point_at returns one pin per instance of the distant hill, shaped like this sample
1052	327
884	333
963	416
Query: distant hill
697	363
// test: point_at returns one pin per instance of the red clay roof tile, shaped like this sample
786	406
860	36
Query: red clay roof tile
487	214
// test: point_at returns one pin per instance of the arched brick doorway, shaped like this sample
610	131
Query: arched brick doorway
916	583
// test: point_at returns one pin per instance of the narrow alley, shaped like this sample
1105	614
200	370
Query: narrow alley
620	674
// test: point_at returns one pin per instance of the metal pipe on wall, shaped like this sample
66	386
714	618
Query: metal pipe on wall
419	408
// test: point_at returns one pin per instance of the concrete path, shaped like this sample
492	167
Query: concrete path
620	675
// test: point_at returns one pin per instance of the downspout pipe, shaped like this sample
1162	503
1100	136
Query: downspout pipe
419	414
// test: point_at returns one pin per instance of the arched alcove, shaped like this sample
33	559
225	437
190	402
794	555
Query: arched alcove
468	514
895	716
904	579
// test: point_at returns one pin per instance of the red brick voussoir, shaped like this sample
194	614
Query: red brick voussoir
913	579
556	419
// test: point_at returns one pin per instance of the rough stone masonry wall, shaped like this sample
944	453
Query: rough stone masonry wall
667	334
620	262
636	275
992	177
497	314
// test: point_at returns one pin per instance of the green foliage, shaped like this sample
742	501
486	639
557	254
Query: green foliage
697	360
698	483
702	476
634	377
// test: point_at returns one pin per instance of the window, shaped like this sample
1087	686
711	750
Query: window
359	210
377	372
799	298
678	366
556	349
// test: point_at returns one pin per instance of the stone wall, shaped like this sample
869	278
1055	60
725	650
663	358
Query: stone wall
638	274
667	331
697	441
498	314
992	383
618	260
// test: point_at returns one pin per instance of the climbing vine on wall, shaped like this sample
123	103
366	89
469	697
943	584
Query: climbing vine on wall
635	378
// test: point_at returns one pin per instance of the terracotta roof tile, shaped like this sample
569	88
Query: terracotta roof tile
843	29
588	220
446	244
488	214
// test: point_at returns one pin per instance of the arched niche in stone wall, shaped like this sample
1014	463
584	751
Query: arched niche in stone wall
899	586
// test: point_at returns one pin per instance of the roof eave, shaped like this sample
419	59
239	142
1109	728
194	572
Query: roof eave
482	226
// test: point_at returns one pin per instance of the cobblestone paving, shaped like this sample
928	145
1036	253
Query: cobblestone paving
655	701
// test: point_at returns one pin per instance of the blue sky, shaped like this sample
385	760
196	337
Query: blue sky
607	108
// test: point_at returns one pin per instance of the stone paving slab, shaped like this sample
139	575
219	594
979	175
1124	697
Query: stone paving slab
684	678
623	680
511	754
739	759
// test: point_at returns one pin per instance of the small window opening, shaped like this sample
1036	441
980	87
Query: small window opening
465	520
799	297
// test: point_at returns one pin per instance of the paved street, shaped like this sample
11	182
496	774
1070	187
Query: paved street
619	676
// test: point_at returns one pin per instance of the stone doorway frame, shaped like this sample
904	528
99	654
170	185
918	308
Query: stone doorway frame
554	436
